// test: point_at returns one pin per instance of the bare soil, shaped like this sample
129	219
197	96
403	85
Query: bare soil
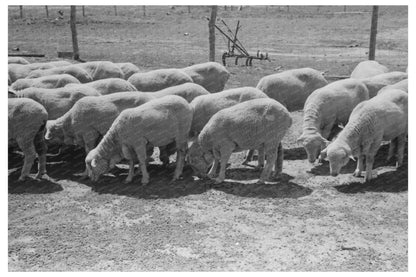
306	221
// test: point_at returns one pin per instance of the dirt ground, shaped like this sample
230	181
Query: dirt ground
307	221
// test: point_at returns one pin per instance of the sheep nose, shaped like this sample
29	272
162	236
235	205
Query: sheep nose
334	174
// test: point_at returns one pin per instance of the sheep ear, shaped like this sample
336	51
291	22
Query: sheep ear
326	142
48	135
352	157
94	163
190	143
341	126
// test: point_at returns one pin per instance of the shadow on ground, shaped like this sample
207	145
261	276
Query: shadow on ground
31	185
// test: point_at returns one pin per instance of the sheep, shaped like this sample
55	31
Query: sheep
292	87
159	79
324	109
375	83
51	81
383	117
102	70
18	60
57	101
90	118
20	71
366	69
72	69
26	127
254	124
128	69
109	85
158	122
188	91
206	106
211	75
402	85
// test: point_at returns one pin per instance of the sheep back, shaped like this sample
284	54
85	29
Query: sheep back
292	87
18	60
159	79
102	70
72	70
211	75
375	83
366	69
188	91
50	81
402	85
128	69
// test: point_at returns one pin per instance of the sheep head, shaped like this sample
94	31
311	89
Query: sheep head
96	165
338	155
198	160
313	144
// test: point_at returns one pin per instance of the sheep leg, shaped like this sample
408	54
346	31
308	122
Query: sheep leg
249	157
271	155
29	157
392	148
401	143
130	156
180	159
41	149
213	170
141	155
226	150
89	140
279	161
260	159
360	166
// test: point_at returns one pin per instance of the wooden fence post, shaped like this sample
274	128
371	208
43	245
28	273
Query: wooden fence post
144	11
47	11
211	38
83	11
373	34
21	11
74	34
115	10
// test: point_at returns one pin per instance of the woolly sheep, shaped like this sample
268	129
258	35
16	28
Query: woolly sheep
158	122
292	87
159	79
324	109
20	71
255	124
402	85
73	70
206	106
102	70
57	101
51	81
18	60
128	69
109	86
211	75
383	117
375	83
188	91
26	127
366	69
90	118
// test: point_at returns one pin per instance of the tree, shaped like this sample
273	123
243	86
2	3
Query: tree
211	26
73	26
373	34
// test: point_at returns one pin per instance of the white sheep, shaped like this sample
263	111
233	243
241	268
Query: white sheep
158	122
254	124
211	75
73	70
383	117
375	83
102	70
159	79
327	107
18	60
108	86
206	106
402	85
291	88
367	69
20	71
128	69
50	81
57	101
26	127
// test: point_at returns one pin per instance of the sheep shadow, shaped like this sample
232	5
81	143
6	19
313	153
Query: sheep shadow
392	181
379	161
281	189
292	154
249	173
31	185
160	185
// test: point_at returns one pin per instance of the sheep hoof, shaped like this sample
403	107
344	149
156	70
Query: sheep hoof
128	180
211	176
83	177
145	182
357	173
258	168
399	164
22	179
40	175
